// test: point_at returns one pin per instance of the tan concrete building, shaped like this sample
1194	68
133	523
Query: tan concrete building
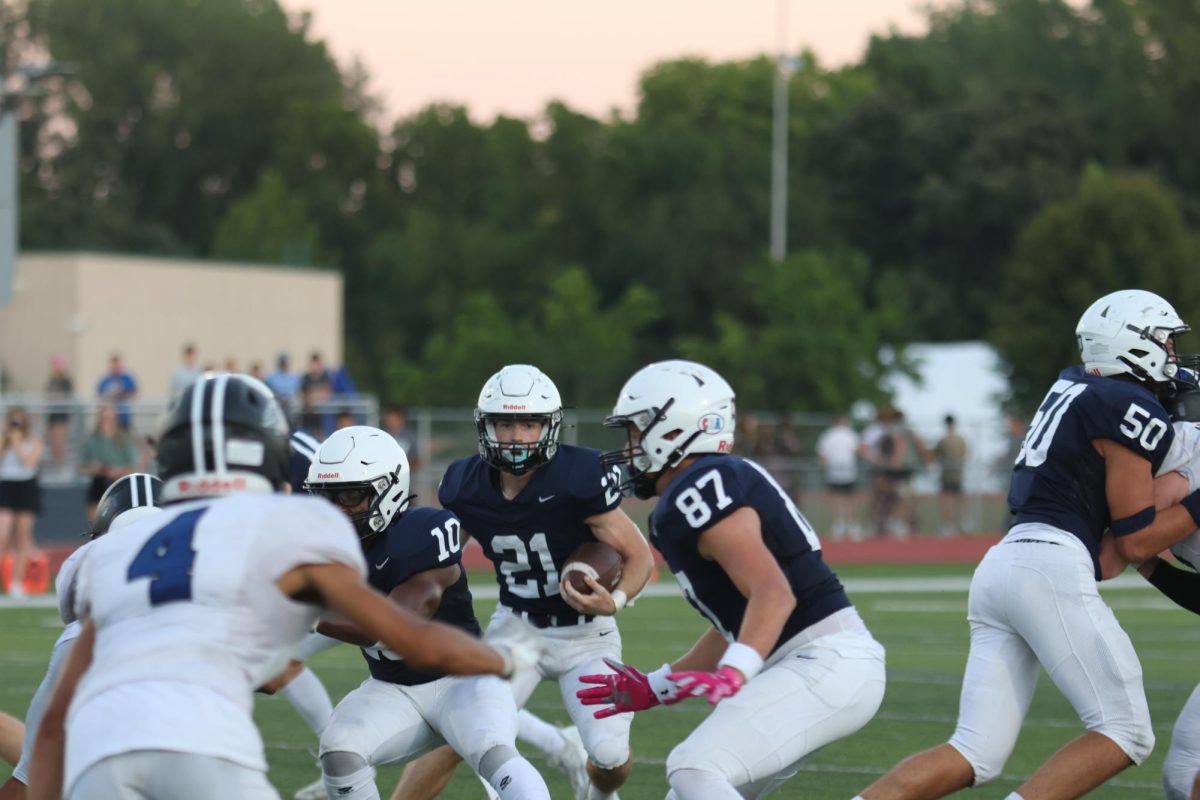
88	306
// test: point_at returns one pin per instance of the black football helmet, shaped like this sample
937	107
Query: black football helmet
128	498
225	435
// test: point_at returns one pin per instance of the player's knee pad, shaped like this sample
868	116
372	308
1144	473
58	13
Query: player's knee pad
340	763
696	784
687	755
985	754
609	752
1180	771
1134	735
495	758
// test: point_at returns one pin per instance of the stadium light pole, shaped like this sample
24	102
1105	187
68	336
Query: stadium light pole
10	152
785	66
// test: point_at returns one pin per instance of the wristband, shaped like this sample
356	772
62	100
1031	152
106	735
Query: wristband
742	657
620	599
663	687
1192	504
1133	523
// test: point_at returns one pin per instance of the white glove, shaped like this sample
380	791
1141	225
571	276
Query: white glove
518	642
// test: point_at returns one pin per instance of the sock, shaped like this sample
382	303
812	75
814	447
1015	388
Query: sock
1014	796
307	695
517	778
596	794
358	785
539	733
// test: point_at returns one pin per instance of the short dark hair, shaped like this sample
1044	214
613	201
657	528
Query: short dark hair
949	419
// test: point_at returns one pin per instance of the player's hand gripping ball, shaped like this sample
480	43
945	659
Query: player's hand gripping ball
597	560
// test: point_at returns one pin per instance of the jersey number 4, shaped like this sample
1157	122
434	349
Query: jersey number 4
167	558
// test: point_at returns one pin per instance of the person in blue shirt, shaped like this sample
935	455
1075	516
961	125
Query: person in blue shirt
118	387
788	661
1085	473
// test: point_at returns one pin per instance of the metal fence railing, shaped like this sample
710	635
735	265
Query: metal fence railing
438	436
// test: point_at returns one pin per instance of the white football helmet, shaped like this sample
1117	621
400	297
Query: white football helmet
362	463
518	392
1127	333
679	408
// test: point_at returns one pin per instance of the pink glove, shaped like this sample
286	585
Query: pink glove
628	689
716	686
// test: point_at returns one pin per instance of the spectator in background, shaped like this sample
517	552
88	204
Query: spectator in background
395	422
950	452
284	383
184	374
883	450
230	366
256	371
20	496
60	390
316	387
837	450
344	419
118	387
109	453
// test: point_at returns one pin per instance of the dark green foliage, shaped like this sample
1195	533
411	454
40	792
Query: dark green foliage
934	189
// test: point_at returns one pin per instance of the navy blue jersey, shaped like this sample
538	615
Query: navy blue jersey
419	539
707	491
302	448
530	537
1058	478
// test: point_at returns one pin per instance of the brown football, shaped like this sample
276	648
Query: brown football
597	559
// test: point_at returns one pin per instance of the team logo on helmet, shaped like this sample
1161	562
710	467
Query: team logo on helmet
712	423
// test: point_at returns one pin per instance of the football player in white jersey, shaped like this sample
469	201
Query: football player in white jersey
1085	476
186	612
128	499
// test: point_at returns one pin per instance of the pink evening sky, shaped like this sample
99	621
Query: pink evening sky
512	57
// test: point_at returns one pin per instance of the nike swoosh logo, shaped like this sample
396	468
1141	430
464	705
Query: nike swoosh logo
605	633
383	563
547	497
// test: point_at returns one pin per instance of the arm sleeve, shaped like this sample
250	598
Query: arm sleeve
1179	585
64	585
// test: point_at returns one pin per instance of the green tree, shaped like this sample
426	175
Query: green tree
269	225
1116	232
811	343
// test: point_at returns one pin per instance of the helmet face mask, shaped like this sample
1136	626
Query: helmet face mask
670	410
1133	332
518	393
364	472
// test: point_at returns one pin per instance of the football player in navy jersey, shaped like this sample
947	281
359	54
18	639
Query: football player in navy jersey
414	557
1086	467
530	501
788	658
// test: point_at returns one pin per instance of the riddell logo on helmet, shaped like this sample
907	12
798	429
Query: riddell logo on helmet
724	447
212	486
512	407
324	476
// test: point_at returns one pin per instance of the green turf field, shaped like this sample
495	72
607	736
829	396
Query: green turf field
926	637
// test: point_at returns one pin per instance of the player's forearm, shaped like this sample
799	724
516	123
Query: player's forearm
345	632
46	767
449	650
767	611
1169	526
1181	586
703	655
